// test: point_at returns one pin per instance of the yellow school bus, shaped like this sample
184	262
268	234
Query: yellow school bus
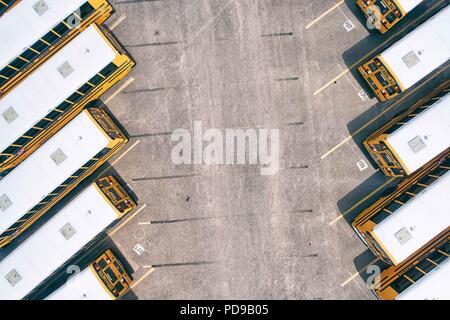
424	276
56	168
411	59
40	29
79	73
404	219
415	137
104	279
6	5
31	265
384	14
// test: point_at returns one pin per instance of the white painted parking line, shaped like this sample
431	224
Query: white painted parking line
125	153
149	272
323	15
373	51
110	234
379	115
358	273
121	88
120	157
117	22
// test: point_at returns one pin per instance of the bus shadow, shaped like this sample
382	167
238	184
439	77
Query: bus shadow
130	295
76	264
353	204
363	196
100	104
360	128
102	171
368	266
380	114
375	42
107	170
85	256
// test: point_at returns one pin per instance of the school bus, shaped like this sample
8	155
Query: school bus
415	137
32	31
56	168
410	59
73	228
6	5
104	279
424	276
56	92
384	14
403	220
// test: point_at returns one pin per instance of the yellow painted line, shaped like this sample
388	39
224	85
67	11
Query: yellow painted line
125	153
144	223
406	95
110	234
336	147
357	273
121	88
343	73
135	283
120	157
117	22
324	14
371	53
361	201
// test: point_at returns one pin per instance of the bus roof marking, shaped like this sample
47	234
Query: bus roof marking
432	127
48	248
433	286
424	217
46	88
430	42
23	25
38	175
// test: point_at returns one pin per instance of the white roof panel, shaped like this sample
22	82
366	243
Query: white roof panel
47	249
434	286
84	286
417	222
39	175
46	88
425	49
23	26
408	5
424	137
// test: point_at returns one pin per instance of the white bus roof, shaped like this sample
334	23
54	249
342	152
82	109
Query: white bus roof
24	25
408	5
55	243
434	286
424	137
46	88
38	175
421	51
417	222
84	286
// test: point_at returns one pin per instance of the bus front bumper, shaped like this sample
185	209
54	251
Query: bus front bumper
366	8
376	91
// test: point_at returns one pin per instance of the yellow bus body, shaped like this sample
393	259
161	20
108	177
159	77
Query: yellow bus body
102	11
